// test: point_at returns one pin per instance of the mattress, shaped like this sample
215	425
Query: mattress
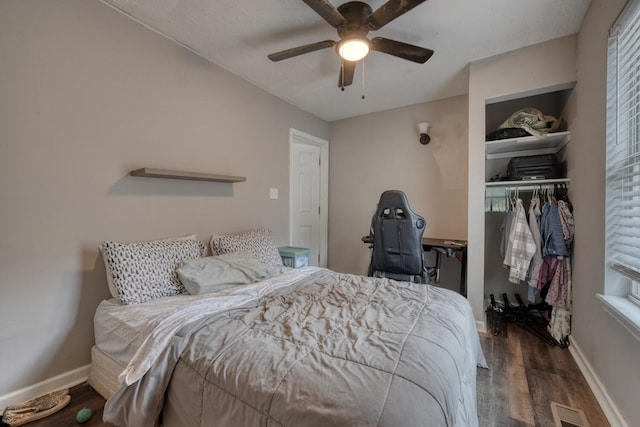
119	333
121	329
103	374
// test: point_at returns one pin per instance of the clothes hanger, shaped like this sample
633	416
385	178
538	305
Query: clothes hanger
505	201
512	203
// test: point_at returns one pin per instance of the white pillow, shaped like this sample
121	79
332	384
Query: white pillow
145	271
258	242
216	273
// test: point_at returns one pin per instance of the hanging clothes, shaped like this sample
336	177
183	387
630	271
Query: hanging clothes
522	246
561	233
558	289
547	270
560	324
566	220
505	243
534	226
558	295
553	241
537	249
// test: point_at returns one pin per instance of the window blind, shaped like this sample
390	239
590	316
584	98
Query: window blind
623	145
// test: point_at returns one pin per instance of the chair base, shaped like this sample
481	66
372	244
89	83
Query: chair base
413	278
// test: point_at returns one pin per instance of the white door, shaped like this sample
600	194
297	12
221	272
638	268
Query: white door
308	195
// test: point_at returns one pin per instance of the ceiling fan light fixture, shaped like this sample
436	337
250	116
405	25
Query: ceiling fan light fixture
353	49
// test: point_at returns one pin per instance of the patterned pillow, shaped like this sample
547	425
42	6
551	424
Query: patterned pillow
258	242
112	288
145	271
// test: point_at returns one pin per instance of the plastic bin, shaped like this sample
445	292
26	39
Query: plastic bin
294	257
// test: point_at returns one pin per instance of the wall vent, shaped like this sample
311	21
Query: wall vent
566	416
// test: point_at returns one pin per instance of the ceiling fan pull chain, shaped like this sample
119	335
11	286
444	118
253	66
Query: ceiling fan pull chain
342	74
363	78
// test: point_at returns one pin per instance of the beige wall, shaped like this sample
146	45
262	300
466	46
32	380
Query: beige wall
86	95
610	352
381	151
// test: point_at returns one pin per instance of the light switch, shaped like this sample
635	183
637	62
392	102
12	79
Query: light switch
273	193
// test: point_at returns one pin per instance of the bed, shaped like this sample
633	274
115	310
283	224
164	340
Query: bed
302	347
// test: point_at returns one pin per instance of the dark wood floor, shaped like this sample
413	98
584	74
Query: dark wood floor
525	376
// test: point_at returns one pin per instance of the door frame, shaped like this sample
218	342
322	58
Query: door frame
299	137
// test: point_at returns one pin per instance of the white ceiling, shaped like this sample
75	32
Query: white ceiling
238	35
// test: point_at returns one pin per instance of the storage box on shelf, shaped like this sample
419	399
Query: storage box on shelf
294	257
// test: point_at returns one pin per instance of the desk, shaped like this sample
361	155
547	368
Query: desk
447	247
450	248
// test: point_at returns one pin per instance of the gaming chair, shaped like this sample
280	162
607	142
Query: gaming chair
396	235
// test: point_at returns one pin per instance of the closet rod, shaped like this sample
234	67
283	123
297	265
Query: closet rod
527	185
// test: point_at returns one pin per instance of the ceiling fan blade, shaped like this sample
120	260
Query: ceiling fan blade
401	50
347	70
390	11
295	51
325	9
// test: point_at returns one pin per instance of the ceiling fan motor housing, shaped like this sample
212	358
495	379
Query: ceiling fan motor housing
355	13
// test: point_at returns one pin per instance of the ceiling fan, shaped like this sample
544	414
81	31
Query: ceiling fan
353	21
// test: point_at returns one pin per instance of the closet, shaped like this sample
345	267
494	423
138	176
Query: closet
498	193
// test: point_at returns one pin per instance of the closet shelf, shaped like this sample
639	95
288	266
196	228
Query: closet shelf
526	146
190	176
528	183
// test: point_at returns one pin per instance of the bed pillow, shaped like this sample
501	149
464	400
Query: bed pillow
145	271
112	288
258	242
216	273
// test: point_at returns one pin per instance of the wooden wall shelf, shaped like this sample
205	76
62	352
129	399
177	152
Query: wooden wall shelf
190	176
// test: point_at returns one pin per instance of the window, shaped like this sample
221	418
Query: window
635	292
623	152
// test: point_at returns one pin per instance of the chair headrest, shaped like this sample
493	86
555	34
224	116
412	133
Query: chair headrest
393	204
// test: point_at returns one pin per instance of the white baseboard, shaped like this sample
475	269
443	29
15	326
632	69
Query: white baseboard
609	408
65	380
481	325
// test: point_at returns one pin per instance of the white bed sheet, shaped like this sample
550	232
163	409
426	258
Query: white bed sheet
118	327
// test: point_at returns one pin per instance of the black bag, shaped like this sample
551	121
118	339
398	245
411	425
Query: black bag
507	133
544	166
